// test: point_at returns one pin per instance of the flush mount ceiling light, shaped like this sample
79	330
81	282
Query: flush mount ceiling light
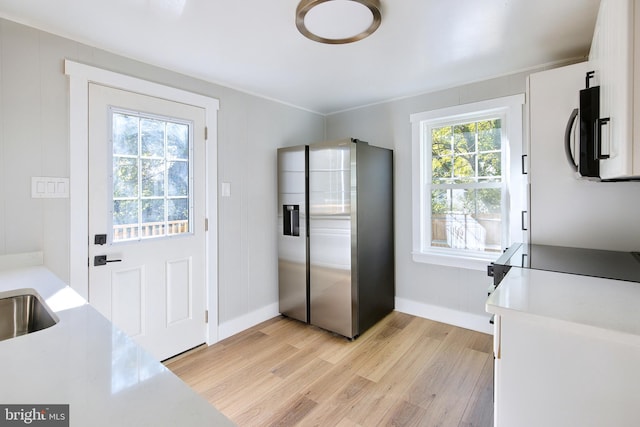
338	21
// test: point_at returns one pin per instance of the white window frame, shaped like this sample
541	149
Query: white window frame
510	109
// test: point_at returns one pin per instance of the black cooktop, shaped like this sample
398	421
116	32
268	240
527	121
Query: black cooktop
585	262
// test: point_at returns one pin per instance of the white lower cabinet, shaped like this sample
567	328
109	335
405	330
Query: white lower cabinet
550	373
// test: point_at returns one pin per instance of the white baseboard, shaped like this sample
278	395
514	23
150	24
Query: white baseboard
239	324
462	319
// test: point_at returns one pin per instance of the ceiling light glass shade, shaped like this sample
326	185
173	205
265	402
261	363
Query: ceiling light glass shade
338	21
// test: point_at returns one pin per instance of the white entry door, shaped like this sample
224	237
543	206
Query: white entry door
147	218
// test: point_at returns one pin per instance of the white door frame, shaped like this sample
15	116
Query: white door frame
79	77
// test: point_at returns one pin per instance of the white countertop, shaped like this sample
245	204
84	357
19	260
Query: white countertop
88	363
606	307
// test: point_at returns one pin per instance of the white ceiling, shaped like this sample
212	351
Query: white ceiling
254	46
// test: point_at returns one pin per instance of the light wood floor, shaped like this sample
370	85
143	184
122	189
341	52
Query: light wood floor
405	371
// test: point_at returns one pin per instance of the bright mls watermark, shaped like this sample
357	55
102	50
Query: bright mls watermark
34	415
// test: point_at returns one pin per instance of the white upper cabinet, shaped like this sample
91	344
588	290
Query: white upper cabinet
615	55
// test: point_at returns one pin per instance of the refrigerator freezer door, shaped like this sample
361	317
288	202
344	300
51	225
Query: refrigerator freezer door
330	233
292	232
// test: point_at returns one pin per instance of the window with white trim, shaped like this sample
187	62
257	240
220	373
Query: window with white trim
467	181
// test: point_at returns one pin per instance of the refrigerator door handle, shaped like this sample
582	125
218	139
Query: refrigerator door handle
567	139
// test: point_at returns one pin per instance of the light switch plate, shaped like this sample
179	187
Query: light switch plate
226	189
43	187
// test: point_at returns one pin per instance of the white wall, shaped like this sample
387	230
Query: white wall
450	294
34	141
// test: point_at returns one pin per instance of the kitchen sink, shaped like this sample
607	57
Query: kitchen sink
22	312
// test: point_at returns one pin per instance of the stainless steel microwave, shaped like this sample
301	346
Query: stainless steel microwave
589	142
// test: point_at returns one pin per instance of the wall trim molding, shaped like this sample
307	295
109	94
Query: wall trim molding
246	321
450	316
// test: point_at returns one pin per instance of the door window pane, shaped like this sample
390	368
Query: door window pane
151	176
125	177
178	179
125	220
152	137
125	134
152	210
178	141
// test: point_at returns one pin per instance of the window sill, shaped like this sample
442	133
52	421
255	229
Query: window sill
466	261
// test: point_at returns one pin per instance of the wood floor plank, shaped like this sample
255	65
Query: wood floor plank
389	354
297	360
337	407
363	349
248	374
405	414
393	386
400	320
291	415
334	379
449	402
232	397
290	331
345	422
340	348
271	403
439	371
222	359
405	370
437	330
479	412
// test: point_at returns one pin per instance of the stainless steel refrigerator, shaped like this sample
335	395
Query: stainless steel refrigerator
336	241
